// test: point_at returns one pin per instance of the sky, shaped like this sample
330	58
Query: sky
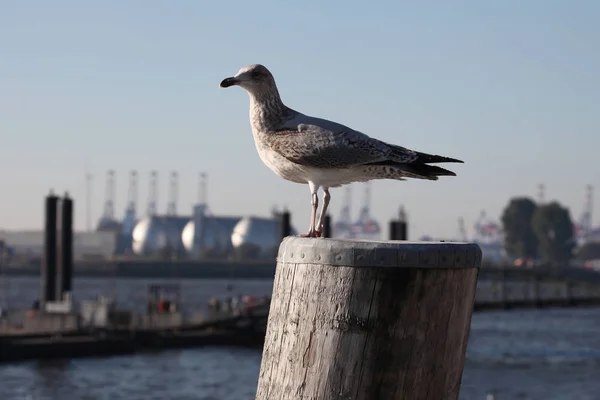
512	88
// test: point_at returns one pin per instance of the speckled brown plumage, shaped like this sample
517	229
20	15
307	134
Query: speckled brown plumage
319	152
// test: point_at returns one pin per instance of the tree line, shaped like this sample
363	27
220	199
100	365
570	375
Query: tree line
543	232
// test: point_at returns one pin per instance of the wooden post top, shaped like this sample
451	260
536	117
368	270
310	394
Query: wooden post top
384	253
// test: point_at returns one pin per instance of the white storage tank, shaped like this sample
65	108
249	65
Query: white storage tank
212	238
154	234
257	237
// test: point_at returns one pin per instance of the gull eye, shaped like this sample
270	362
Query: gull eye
255	74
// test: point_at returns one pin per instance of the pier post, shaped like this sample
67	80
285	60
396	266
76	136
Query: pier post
399	227
48	271
66	248
397	230
285	224
327	226
392	233
368	320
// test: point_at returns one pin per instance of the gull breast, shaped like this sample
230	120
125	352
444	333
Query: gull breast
280	165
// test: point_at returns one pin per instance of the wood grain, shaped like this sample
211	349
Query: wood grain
348	332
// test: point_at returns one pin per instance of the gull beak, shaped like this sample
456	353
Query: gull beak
228	82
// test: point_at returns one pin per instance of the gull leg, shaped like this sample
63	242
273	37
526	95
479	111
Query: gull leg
314	199
326	198
313	214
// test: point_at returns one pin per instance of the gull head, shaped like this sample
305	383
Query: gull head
255	78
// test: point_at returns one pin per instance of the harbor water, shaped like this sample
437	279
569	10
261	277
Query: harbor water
533	354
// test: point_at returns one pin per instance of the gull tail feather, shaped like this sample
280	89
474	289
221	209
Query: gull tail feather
434	158
428	171
416	170
425	157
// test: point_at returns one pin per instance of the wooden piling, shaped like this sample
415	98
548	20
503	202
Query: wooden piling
398	230
368	320
399	227
392	230
285	225
49	269
327	226
66	249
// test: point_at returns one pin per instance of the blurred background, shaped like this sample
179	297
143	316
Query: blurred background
116	106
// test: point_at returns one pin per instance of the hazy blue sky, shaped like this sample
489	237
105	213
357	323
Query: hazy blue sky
511	87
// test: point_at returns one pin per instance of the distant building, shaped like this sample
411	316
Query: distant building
593	235
86	245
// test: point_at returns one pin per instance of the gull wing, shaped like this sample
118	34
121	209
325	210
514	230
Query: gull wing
324	144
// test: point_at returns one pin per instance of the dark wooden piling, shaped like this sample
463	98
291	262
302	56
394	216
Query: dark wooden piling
399	227
49	270
285	224
327	226
398	230
368	320
392	230
66	249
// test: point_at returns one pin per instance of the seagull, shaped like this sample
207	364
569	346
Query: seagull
322	153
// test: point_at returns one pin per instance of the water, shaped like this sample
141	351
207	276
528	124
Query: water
545	354
536	354
211	373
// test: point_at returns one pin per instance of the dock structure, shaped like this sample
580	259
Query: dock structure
55	328
100	329
368	320
491	276
331	298
523	288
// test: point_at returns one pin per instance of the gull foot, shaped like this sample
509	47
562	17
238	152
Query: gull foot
312	234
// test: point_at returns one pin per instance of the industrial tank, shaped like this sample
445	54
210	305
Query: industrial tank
209	236
153	235
257	237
